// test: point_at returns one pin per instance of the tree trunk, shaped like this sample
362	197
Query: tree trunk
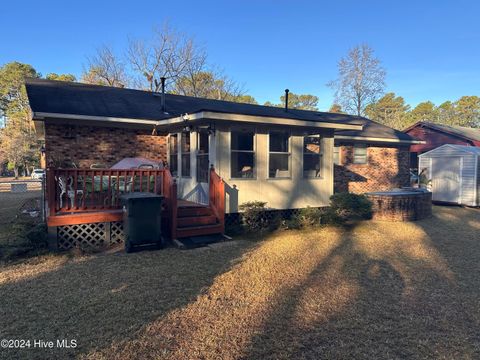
15	171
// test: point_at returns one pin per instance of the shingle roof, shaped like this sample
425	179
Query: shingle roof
462	131
372	129
59	97
465	148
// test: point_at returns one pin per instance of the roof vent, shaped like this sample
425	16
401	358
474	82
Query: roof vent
162	94
286	99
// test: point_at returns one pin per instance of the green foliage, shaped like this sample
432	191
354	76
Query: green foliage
60	77
298	101
254	219
347	207
18	140
307	217
392	111
389	110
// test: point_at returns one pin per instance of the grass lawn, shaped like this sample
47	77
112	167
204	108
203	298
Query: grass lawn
375	290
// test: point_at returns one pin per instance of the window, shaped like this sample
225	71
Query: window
242	154
173	150
360	154
279	155
336	155
185	154
202	157
312	156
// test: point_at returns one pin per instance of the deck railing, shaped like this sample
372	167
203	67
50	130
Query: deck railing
216	193
86	190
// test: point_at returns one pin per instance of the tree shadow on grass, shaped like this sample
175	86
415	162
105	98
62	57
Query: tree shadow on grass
398	303
105	298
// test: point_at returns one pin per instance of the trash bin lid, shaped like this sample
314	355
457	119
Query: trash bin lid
140	195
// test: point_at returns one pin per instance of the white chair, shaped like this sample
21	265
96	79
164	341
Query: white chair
66	188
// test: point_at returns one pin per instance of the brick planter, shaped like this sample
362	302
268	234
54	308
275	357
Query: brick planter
402	205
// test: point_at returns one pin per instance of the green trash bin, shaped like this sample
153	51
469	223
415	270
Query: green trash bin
142	220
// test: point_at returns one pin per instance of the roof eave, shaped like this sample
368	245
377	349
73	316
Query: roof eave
201	116
257	119
379	139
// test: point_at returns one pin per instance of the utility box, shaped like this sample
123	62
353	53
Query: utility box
142	220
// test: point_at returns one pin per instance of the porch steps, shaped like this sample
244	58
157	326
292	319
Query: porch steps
196	220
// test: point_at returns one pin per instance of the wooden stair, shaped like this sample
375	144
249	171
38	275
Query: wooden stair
195	220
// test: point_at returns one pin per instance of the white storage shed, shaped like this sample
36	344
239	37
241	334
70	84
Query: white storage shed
453	171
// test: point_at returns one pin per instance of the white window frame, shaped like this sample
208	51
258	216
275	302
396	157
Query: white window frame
320	155
254	151
338	151
289	153
182	154
170	154
355	148
198	154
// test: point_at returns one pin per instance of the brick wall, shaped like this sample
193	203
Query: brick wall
387	168
86	145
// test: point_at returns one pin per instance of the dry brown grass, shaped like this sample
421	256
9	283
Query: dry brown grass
375	290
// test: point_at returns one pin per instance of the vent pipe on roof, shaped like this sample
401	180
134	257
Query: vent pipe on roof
162	79
286	99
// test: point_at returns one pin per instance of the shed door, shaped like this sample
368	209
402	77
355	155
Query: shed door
446	179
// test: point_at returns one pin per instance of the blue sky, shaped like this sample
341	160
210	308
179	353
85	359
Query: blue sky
430	49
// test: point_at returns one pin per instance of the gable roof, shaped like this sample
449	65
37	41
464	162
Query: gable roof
460	131
373	130
464	148
50	98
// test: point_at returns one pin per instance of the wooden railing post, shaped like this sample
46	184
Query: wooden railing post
174	209
51	196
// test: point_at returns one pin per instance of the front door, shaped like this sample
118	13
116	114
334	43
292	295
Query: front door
446	179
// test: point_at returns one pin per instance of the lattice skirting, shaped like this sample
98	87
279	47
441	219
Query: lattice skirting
95	235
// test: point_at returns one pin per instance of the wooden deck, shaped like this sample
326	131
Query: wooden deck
100	201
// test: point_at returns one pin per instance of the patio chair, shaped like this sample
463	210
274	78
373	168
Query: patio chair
66	188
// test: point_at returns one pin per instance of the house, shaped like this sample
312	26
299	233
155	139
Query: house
375	158
219	154
436	135
453	173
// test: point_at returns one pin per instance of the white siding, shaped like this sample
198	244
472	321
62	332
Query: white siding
469	173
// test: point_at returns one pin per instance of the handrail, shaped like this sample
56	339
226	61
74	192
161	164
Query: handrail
170	192
216	195
80	190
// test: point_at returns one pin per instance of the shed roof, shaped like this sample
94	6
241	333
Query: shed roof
461	131
463	148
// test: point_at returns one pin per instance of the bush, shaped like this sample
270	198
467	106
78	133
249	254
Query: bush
306	217
347	207
255	218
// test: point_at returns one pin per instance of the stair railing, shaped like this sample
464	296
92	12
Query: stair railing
170	193
217	197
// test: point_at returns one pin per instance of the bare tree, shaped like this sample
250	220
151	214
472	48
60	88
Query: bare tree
105	68
167	54
361	80
212	84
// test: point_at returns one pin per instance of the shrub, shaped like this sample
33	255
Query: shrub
255	218
347	206
306	217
